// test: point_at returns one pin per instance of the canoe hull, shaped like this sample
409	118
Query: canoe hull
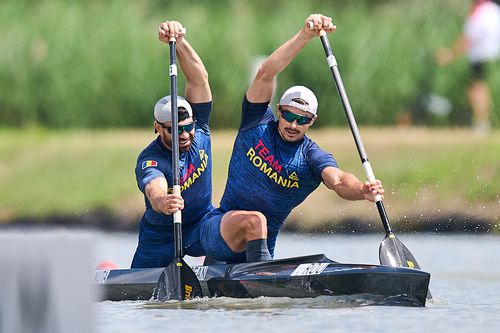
299	277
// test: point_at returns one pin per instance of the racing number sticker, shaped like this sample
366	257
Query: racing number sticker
309	269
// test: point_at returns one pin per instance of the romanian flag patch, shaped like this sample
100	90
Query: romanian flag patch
149	163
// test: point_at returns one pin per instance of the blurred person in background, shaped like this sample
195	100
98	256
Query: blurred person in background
154	165
274	166
481	41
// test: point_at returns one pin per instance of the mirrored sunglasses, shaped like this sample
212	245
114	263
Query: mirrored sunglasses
290	117
181	128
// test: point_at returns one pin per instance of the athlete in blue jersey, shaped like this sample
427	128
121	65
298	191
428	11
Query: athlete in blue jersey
154	164
274	165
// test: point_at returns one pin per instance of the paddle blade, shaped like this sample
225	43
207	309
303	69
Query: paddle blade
175	285
392	252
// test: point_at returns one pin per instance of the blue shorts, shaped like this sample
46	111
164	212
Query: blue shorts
212	242
156	244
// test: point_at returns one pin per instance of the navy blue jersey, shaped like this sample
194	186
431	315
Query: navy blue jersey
268	174
195	168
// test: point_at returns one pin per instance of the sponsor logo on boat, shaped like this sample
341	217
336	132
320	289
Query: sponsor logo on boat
187	291
309	269
269	165
101	276
200	272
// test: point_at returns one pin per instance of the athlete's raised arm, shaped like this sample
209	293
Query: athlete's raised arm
261	88
197	86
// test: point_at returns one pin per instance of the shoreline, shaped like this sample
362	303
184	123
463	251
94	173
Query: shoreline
107	221
435	180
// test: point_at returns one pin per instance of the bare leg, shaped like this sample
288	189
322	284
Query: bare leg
240	227
480	101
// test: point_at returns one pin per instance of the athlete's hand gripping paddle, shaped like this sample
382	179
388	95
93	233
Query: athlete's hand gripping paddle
392	252
178	281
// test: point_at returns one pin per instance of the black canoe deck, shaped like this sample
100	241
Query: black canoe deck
299	277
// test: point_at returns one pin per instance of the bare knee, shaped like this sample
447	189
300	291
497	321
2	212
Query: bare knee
254	225
240	227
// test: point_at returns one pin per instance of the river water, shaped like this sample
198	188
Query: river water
465	283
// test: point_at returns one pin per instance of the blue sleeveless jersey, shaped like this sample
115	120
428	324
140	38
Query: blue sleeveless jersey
195	166
268	174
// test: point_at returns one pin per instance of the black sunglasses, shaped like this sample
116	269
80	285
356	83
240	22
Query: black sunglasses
290	117
181	128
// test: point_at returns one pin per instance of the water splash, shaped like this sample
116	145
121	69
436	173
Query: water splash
276	303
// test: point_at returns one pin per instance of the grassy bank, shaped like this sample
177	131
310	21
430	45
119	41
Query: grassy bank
428	174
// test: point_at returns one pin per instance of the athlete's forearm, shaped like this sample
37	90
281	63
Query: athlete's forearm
157	192
162	202
191	64
158	201
346	185
283	56
262	86
350	188
197	86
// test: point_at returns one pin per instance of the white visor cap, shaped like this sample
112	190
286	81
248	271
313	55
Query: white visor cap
303	93
163	108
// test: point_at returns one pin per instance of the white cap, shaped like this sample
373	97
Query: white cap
303	93
163	107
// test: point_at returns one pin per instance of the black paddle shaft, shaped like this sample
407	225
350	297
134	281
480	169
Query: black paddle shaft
174	111
332	63
392	251
178	281
175	146
175	167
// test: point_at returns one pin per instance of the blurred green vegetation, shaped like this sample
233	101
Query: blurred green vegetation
96	63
